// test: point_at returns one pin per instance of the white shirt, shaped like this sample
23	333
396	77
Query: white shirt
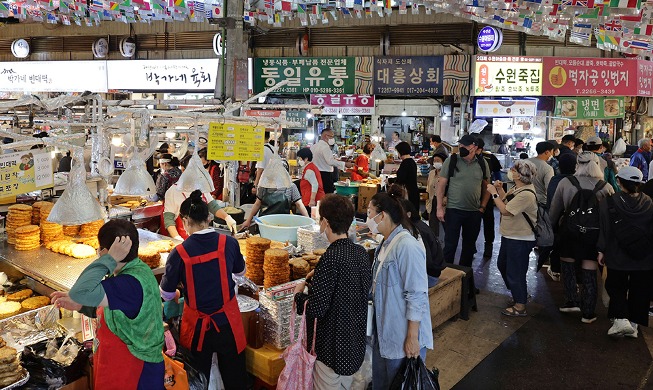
309	176
175	197
267	155
650	171
323	157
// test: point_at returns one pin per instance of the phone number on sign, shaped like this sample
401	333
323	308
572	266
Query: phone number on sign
607	92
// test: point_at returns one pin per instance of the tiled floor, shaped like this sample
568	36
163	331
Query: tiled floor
546	350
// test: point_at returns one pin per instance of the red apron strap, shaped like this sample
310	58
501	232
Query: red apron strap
223	269
190	279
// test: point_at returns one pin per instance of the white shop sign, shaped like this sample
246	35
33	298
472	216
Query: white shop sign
53	76
164	75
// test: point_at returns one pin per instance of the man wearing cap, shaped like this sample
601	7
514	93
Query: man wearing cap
465	186
544	170
567	154
642	157
488	216
595	145
324	160
437	146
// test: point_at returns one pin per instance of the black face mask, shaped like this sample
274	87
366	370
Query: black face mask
464	152
206	166
271	142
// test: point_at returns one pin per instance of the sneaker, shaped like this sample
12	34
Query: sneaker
621	327
633	335
570	307
554	275
588	320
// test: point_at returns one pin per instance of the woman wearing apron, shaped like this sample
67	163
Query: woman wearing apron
211	321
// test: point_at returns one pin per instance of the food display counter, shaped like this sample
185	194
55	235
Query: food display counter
55	271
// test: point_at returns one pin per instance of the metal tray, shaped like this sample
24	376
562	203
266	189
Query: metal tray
20	382
16	330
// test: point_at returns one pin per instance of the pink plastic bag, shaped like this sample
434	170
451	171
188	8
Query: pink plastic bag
298	372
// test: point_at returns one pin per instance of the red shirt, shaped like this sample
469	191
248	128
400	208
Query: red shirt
362	161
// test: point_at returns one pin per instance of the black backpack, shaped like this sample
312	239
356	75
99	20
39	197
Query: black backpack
581	218
634	240
453	168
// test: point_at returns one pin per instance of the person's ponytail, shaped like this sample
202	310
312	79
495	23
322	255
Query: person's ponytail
194	208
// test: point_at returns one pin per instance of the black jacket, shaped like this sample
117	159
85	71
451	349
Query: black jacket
638	210
434	255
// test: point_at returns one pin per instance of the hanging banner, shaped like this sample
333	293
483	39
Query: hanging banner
162	75
508	76
590	107
235	142
505	108
306	75
589	76
53	76
345	104
416	76
24	172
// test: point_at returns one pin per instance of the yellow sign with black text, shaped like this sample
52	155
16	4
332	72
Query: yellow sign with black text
235	142
24	172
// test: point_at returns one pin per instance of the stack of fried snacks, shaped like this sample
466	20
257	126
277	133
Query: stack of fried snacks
276	268
18	215
28	238
255	258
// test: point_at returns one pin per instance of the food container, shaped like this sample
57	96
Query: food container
282	227
236	213
342	188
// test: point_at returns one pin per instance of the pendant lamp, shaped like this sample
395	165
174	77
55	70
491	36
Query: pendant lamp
195	177
135	180
77	205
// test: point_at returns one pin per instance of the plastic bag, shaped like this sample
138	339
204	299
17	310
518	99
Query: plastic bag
377	153
47	373
477	126
619	147
415	376
275	174
363	377
196	379
175	376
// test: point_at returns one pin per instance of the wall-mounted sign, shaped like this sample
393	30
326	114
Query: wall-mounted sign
299	117
100	48
417	76
24	172
589	76
508	76
217	44
306	75
302	45
235	142
519	125
20	48
644	78
345	104
489	39
505	108
54	76
127	47
281	115
598	107
163	75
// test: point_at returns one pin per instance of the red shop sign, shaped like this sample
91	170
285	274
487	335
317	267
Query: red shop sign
345	104
264	113
644	78
590	77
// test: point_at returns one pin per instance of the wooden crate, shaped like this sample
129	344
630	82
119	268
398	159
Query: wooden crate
265	363
444	298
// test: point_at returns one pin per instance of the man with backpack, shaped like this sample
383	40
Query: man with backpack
463	180
545	151
594	144
488	216
574	211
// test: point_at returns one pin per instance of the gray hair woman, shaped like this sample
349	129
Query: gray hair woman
588	176
518	210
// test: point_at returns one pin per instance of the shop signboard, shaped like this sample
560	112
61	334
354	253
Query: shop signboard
345	104
235	142
53	76
597	107
299	117
306	75
644	78
415	76
507	76
162	75
589	76
505	108
489	39
23	172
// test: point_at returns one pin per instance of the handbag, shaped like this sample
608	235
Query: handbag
298	372
175	375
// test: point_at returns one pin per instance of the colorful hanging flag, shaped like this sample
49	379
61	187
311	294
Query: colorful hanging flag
414	9
403	10
358	4
317	10
345	12
644	29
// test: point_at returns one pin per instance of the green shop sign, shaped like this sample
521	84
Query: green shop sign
332	75
299	117
590	107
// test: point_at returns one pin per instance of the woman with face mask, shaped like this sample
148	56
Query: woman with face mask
310	184
432	189
517	208
361	167
401	320
337	297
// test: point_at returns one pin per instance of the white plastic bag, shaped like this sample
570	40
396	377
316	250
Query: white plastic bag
363	377
619	147
377	153
215	382
477	126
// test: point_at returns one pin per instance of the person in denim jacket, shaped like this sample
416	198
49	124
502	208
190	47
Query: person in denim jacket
402	319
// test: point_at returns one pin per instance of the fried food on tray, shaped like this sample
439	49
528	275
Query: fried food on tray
20	295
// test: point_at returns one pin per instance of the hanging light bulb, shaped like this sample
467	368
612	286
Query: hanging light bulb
170	134
309	115
116	140
339	116
195	177
309	136
403	113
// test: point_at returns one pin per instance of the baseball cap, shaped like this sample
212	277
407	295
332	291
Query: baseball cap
631	174
594	141
467	140
480	143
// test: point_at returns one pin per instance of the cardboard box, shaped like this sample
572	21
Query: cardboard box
265	363
365	194
445	297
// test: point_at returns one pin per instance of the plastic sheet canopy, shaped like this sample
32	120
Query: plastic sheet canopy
77	205
195	177
135	180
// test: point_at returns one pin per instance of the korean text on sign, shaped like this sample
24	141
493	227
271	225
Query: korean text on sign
306	75
408	75
24	172
234	142
508	78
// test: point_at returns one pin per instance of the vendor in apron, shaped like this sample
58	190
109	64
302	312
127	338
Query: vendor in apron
172	224
211	322
276	201
129	337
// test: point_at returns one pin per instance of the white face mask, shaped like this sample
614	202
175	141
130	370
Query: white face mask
437	165
323	233
372	225
331	141
301	162
509	175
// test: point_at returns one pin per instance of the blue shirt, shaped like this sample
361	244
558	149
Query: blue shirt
400	294
639	161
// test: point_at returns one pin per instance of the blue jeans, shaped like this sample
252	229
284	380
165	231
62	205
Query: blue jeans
384	370
513	265
457	223
432	281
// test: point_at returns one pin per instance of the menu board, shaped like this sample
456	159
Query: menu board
235	142
23	172
590	107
